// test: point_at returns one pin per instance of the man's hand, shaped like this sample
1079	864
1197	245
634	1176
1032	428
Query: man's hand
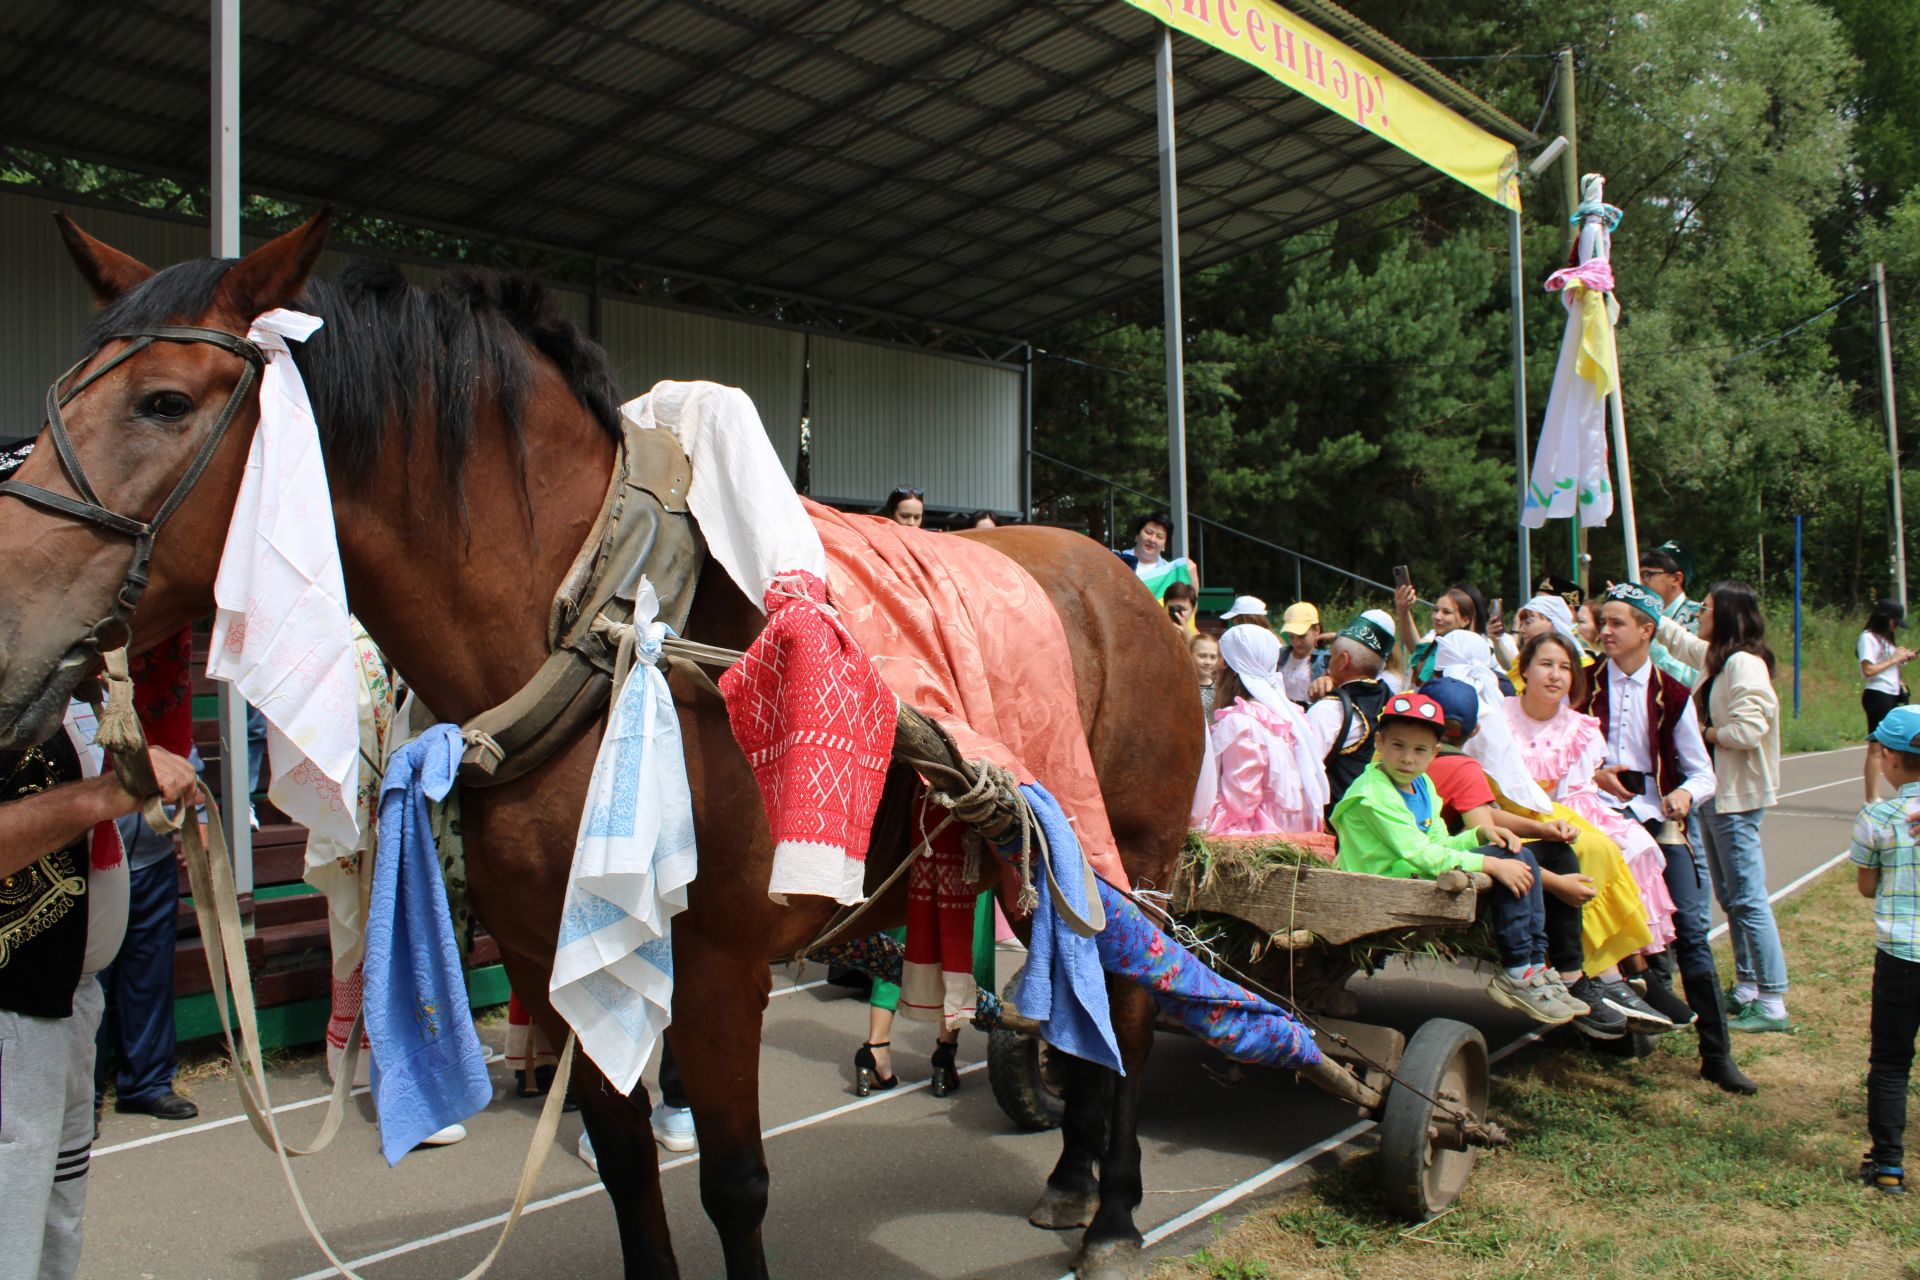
1320	688
1607	778
1515	875
1508	840
1677	804
176	777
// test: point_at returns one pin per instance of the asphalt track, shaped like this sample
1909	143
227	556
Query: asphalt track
896	1185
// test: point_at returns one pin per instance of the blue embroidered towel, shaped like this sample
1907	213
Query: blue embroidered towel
1063	987
429	1070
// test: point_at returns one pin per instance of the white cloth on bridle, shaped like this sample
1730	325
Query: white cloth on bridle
281	634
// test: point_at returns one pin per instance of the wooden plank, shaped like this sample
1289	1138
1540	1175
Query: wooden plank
1336	906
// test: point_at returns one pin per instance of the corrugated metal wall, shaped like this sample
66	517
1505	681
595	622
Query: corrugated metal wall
655	344
882	416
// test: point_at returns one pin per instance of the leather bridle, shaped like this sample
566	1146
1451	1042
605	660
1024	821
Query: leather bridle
112	631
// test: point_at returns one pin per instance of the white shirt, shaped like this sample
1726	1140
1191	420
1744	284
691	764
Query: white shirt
1628	747
108	888
1871	648
1323	722
1296	674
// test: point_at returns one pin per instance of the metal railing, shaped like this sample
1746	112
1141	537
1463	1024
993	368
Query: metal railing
1158	502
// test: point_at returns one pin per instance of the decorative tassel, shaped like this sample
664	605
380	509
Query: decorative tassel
119	732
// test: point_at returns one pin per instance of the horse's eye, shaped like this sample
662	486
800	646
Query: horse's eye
168	405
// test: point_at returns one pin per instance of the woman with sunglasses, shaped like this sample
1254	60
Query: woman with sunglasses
906	506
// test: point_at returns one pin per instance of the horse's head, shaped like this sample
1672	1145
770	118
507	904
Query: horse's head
140	458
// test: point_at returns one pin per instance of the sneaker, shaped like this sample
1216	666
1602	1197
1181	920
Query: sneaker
1579	1007
1887	1179
584	1149
1754	1018
1735	1005
1601	1021
1640	1015
1530	996
1659	995
673	1128
445	1137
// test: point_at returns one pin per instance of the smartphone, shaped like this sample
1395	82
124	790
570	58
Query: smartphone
1497	610
1400	575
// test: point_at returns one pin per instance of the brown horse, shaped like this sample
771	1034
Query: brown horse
470	435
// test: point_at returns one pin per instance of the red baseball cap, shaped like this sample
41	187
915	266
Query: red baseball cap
1417	707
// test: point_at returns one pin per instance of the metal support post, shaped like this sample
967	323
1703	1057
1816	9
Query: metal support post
1170	291
1299	585
224	164
1893	430
1026	446
1516	286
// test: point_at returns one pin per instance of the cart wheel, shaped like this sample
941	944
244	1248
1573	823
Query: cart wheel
1027	1075
1447	1061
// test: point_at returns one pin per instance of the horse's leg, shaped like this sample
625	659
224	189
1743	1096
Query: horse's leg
716	1041
1111	1248
622	1140
1073	1188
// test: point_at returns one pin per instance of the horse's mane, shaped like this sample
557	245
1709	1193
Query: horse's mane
390	352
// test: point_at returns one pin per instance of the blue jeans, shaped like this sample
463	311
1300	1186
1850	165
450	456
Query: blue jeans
1519	924
1687	884
1739	869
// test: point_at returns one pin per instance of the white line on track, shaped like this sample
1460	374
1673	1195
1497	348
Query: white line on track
1837	782
1831	751
225	1122
595	1187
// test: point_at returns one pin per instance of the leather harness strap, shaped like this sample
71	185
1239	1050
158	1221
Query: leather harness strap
643	524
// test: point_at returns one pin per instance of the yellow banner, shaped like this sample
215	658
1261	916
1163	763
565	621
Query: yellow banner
1351	85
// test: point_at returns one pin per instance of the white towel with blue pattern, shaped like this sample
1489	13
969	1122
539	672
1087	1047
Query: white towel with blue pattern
632	862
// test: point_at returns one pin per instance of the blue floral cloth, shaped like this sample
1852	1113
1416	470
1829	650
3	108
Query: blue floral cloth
1222	1013
1063	986
429	1070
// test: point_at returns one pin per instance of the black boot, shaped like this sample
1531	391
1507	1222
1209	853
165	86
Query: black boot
1716	1057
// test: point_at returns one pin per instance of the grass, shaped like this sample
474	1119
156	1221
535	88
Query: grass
1628	1170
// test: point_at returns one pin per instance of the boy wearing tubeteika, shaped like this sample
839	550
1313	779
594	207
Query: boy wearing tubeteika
1657	769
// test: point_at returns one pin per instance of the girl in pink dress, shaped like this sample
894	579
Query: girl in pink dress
1267	779
1562	747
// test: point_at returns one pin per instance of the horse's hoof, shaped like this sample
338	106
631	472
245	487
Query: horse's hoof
1111	1260
1064	1210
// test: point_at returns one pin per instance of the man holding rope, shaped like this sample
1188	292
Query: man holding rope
63	910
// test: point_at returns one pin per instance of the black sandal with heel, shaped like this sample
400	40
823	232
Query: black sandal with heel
866	1071
946	1079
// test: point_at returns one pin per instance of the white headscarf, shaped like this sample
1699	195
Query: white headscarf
1298	775
1555	610
1466	655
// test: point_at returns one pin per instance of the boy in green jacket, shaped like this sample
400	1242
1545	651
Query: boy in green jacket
1389	824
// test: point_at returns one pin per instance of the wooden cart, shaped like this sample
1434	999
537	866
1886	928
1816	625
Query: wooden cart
1428	1093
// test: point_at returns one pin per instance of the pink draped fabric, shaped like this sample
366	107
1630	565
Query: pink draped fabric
965	635
1259	791
1562	754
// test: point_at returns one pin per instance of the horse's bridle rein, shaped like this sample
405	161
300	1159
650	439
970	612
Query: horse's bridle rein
112	631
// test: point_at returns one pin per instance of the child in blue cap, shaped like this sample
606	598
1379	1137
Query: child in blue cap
1888	857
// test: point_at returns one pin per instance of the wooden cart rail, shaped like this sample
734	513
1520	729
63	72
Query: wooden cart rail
1304	905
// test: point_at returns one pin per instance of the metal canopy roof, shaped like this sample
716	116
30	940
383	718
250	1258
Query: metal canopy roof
982	164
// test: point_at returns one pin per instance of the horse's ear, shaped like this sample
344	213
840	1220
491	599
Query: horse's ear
109	272
274	274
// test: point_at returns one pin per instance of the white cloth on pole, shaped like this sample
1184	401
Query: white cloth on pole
281	633
1569	477
632	862
741	496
